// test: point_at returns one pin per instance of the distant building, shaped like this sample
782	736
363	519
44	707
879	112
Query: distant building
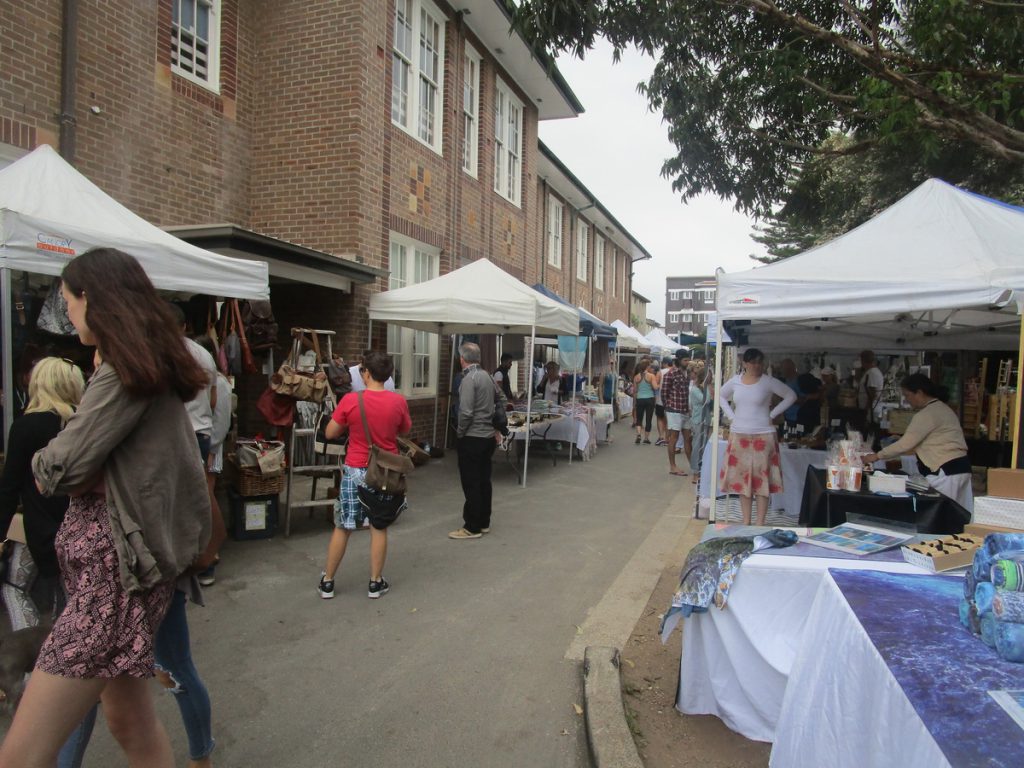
638	312
688	303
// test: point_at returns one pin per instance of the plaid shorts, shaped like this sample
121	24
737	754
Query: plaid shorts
348	512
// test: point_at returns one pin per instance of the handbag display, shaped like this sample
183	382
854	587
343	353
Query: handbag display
265	455
385	473
299	385
277	410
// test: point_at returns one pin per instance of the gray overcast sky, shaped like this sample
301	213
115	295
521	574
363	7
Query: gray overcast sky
616	148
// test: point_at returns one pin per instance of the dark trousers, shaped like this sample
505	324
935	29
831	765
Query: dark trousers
475	473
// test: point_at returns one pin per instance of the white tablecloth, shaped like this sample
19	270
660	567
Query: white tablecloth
736	662
842	707
604	415
625	405
566	430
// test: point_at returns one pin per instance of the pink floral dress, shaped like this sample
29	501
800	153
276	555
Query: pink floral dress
752	465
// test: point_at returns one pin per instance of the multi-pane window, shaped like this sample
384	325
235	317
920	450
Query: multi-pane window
673	317
687	294
470	106
582	251
673	295
687	318
709	296
555	233
194	38
416	70
615	272
599	262
413	352
508	143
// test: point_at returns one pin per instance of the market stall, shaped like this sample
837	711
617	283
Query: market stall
940	269
50	213
478	298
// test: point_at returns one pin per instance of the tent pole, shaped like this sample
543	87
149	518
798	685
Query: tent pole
437	397
8	351
575	376
1014	462
451	380
369	334
713	438
529	401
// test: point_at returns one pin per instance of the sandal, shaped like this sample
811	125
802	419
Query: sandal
678	473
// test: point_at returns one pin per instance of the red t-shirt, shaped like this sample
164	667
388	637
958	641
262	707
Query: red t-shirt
387	413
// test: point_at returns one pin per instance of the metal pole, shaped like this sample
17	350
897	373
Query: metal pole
437	396
529	401
575	376
451	380
713	438
8	352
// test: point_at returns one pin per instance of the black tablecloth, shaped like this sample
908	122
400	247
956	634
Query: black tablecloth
822	508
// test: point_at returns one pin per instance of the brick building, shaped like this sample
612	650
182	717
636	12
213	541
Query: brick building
355	146
688	303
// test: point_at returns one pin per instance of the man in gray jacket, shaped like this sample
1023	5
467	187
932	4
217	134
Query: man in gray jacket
477	439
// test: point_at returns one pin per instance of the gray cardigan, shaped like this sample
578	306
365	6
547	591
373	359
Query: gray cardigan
155	482
477	396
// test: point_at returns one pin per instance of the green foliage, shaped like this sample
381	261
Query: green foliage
751	90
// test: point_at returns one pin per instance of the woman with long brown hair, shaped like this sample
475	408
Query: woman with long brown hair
139	516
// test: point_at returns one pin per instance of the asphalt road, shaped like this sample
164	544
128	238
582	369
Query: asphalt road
472	659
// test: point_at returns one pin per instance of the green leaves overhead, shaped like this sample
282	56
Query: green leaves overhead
752	90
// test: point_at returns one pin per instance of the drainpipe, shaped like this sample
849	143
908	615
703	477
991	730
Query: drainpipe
68	79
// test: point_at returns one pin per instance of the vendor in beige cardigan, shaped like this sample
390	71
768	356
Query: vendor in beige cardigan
937	439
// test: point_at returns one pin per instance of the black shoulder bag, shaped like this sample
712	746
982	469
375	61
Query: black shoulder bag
382	492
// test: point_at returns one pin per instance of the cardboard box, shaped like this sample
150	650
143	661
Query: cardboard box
956	552
1007	483
981	529
880	482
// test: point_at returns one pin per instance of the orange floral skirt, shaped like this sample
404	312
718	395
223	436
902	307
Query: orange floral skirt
752	465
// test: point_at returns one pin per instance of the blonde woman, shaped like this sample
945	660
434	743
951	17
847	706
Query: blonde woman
54	390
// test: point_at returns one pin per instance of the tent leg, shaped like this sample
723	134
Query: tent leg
437	398
451	380
8	352
713	438
575	376
529	402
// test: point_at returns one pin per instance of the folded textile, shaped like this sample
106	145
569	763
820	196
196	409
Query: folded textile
988	630
1010	641
1008	606
983	594
1008	574
969	584
997	546
965	611
710	569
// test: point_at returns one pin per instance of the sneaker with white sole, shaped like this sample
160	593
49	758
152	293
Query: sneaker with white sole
326	587
377	588
485	530
462	533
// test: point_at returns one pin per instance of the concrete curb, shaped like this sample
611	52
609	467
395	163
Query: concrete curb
609	737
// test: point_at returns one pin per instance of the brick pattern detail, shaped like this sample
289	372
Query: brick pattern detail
298	144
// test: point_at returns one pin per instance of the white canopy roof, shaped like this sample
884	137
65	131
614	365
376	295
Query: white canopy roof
50	213
631	332
658	338
936	270
478	298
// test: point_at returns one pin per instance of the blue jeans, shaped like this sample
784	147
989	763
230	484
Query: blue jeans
174	656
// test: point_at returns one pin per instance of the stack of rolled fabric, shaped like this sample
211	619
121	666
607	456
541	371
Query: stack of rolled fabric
993	603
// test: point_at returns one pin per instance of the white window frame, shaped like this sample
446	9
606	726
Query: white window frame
673	294
470	110
615	271
673	317
599	262
408	107
412	262
709	295
582	250
508	143
554	234
687	294
686	318
180	38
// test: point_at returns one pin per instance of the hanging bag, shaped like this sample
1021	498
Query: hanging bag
53	316
248	363
382	492
299	385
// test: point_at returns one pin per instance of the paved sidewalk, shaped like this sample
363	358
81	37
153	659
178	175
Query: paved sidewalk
472	659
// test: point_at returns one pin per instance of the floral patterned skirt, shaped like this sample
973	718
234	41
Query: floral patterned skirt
752	465
104	631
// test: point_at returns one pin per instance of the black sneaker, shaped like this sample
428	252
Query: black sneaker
378	588
326	588
208	577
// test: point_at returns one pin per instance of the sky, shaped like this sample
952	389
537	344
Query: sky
616	148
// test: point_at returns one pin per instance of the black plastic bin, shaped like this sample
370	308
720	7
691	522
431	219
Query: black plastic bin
253	517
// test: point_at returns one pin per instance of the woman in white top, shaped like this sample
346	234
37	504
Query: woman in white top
752	457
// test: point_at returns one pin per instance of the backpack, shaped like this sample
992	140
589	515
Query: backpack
259	323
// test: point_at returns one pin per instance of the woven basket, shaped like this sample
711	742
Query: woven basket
249	482
899	420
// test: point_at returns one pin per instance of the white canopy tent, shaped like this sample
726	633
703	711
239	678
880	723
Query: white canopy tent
658	338
940	269
50	213
478	298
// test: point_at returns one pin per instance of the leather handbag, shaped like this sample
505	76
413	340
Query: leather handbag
278	410
300	385
265	455
386	471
